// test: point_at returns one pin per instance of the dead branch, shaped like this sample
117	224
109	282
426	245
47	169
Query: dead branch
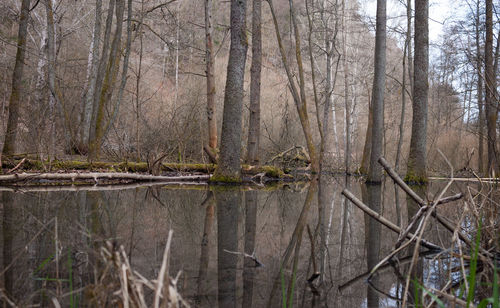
422	203
383	220
16	167
252	256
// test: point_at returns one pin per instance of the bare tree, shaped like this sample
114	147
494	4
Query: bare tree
51	56
299	95
375	170
406	56
229	165
93	66
417	160
255	72
490	83
95	141
9	146
210	72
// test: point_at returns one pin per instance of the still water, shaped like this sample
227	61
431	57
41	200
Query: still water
292	231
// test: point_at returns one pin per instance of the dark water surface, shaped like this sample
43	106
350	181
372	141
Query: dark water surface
209	238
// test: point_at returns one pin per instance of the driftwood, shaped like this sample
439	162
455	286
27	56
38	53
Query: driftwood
383	220
97	176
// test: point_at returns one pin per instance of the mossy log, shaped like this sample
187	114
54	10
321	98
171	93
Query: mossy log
73	170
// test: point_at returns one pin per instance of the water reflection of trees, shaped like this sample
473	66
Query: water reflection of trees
272	223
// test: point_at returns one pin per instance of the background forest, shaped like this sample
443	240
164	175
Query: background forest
131	76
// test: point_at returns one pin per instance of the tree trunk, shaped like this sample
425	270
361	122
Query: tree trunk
210	61
229	166
124	78
417	160
490	83
100	78
255	72
406	52
93	63
375	170
480	105
298	97
347	152
9	146
107	85
51	69
365	160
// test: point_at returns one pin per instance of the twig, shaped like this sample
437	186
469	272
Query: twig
16	167
252	256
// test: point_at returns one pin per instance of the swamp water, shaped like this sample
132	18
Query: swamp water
50	243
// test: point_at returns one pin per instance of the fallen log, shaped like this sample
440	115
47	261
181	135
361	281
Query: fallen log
73	176
104	187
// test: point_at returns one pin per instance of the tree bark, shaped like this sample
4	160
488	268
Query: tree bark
490	83
347	152
375	170
124	78
406	56
417	160
95	141
229	166
210	61
480	104
365	160
92	76
255	77
103	63
9	146
51	69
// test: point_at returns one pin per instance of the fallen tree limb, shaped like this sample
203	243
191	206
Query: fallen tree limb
97	175
422	203
383	220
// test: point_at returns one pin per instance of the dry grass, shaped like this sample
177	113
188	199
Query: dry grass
120	285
